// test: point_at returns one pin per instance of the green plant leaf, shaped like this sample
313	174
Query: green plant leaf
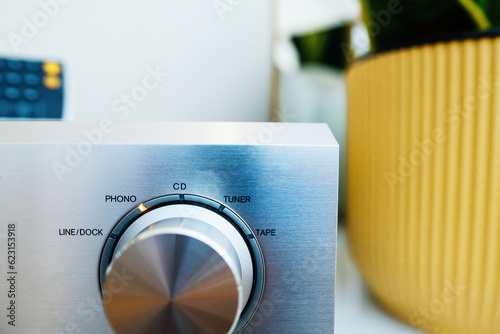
323	47
392	23
477	12
492	10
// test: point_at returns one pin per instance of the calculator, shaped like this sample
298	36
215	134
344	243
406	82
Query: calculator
31	89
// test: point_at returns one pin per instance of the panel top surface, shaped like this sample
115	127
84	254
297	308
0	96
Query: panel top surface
164	133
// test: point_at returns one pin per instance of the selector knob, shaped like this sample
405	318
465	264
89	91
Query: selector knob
178	269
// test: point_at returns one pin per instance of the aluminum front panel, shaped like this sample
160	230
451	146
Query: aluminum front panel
292	191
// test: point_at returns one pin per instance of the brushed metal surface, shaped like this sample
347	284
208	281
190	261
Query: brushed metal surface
292	186
179	284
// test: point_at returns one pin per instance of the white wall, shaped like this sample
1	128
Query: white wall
218	62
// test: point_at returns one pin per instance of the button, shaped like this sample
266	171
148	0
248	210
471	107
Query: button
23	109
31	79
51	68
30	94
13	78
15	64
12	93
33	66
52	82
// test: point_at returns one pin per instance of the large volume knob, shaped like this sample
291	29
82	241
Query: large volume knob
178	275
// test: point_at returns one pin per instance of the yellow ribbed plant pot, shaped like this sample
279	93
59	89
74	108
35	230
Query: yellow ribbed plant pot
424	183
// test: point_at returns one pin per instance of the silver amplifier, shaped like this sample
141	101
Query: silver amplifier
167	228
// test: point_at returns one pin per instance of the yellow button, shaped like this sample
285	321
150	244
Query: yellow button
52	82
51	68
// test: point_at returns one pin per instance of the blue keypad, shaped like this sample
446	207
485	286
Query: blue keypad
27	89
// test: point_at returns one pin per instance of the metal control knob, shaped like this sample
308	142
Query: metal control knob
183	275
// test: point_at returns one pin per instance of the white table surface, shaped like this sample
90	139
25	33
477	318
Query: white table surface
355	310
